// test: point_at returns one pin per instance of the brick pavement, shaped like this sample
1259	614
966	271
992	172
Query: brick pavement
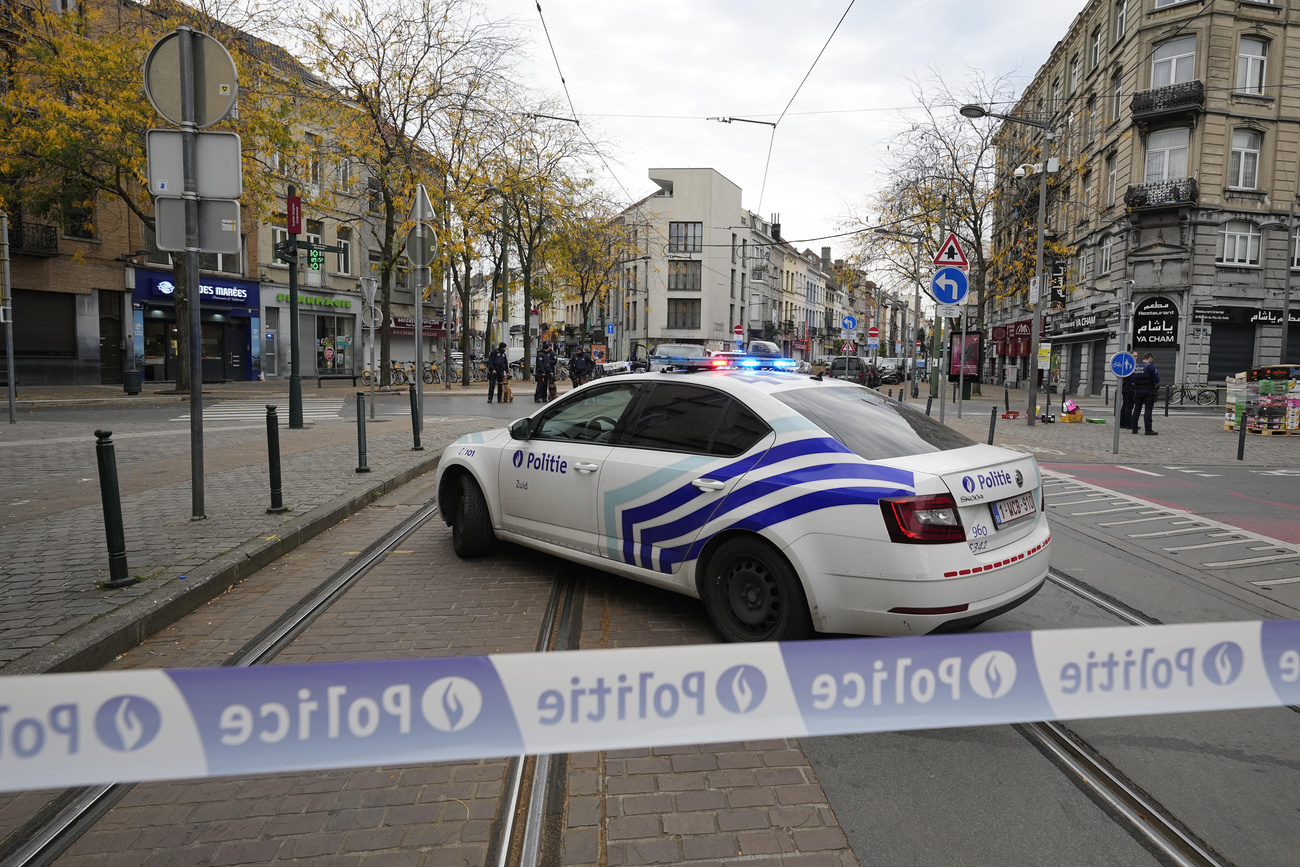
54	616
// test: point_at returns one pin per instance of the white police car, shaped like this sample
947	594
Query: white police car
787	503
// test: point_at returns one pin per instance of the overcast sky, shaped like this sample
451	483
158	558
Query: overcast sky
643	76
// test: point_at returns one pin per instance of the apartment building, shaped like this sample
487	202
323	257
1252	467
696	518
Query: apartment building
1178	135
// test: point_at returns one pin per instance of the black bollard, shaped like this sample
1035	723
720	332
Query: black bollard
361	433
113	530
929	402
1167	389
415	422
1006	397
993	423
273	458
1241	440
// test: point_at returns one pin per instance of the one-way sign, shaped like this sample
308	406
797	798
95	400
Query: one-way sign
951	254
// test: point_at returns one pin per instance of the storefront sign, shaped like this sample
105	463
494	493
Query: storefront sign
404	326
1078	322
161	286
317	302
1155	321
1242	315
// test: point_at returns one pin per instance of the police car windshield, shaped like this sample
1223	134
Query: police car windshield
871	426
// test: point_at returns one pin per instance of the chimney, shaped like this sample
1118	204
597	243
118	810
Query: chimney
776	227
826	258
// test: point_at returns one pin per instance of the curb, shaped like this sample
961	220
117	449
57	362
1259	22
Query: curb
94	644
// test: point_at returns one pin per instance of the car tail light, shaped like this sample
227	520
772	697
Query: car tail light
925	520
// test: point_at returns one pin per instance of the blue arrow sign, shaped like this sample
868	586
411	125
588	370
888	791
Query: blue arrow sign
848	323
949	285
1123	363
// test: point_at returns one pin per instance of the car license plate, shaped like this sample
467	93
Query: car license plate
1014	508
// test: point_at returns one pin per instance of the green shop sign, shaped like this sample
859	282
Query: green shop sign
318	302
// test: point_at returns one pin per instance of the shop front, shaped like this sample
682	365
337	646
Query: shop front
1079	346
1155	330
229	327
328	333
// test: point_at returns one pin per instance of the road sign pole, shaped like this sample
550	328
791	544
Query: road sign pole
293	224
190	193
961	363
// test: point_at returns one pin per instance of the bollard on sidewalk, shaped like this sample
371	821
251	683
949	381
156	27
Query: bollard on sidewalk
273	459
929	402
993	423
415	422
1241	441
361	433
106	456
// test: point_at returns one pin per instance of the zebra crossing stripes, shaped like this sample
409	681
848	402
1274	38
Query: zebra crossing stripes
313	409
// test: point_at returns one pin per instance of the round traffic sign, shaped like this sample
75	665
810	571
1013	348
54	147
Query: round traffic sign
738	330
873	331
848	323
1123	364
949	285
372	316
420	242
216	81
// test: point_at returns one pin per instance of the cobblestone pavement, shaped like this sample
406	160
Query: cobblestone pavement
53	613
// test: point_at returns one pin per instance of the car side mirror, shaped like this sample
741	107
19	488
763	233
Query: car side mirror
521	429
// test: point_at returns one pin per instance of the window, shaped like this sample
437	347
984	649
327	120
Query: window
688	418
684	313
229	263
1239	243
1174	62
344	244
870	425
733	248
374	196
1121	18
1160	4
1085	197
1250	65
345	174
586	419
1090	119
1243	168
1116	96
1106	251
1167	154
1094	56
1056	93
684	275
685	237
1076	74
733	282
1295	251
1112	177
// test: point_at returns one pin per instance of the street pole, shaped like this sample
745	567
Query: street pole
1286	290
293	224
7	312
1048	138
1126	288
369	285
189	148
916	316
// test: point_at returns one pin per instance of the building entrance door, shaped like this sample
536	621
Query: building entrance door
110	337
233	342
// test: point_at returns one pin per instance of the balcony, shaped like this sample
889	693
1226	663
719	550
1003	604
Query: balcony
33	239
1161	194
1184	100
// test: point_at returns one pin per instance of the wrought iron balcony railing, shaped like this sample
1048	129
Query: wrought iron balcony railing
1161	194
33	239
1184	97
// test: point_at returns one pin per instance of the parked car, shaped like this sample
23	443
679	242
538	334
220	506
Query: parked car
786	504
854	368
662	355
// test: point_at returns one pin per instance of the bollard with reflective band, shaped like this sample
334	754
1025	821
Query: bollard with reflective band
1241	440
361	433
105	727
415	421
993	423
273	458
929	402
106	456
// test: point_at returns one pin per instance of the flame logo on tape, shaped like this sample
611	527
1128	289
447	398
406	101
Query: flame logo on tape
127	722
992	674
451	703
741	688
1223	663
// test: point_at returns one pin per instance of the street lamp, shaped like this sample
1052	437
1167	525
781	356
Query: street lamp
916	296
1048	166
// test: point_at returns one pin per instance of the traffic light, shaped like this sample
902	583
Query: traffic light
316	259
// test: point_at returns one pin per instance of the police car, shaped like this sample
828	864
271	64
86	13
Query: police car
786	503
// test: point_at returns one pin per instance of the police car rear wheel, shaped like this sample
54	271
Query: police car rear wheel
752	594
471	527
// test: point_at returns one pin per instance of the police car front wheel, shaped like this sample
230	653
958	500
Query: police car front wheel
752	594
471	526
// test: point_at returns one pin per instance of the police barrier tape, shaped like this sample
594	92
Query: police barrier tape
80	729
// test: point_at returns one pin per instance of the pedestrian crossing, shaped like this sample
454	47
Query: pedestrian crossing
313	409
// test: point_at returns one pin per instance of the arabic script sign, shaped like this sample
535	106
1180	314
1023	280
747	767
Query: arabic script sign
1155	321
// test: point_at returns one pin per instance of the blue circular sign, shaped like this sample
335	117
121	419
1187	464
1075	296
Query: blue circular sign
1123	363
848	323
949	285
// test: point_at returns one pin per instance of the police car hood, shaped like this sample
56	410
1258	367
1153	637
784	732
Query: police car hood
976	474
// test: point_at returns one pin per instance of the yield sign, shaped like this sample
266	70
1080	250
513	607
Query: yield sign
950	253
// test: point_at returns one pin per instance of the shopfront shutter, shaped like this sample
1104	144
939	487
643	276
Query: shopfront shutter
45	324
1232	349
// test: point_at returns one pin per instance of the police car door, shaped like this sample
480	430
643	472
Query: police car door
547	484
675	462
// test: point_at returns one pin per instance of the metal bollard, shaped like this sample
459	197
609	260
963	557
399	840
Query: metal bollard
993	423
415	422
112	499
1006	397
1167	389
1241	440
361	433
273	458
929	402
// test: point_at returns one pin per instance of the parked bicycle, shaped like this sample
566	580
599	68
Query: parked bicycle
1189	393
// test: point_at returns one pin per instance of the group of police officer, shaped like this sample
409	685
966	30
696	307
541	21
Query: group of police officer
581	367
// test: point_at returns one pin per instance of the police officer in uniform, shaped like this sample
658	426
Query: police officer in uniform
497	365
545	373
1145	379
